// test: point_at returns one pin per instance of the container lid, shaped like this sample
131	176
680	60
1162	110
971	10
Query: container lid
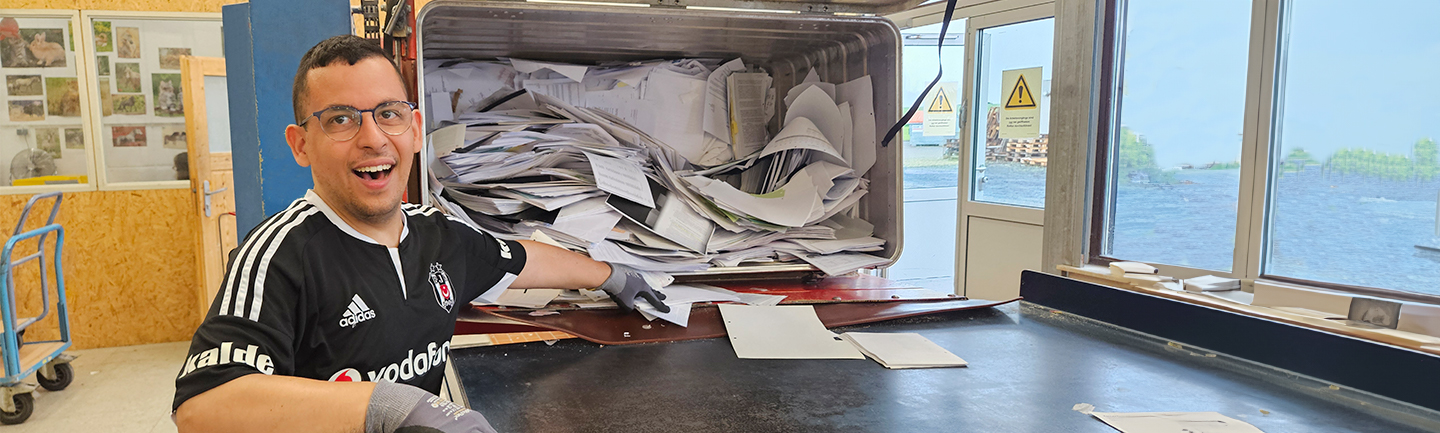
875	7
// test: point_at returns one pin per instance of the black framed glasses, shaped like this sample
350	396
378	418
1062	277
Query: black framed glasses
342	123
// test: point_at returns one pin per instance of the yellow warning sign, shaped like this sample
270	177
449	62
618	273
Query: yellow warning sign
1020	96
941	104
1021	117
940	119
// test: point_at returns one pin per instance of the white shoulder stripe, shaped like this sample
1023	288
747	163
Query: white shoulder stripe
247	263
265	265
228	288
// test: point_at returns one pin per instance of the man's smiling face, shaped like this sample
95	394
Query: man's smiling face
363	177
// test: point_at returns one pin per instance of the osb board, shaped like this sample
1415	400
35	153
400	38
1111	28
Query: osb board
129	264
126	5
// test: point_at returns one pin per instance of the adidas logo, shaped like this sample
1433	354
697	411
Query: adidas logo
356	313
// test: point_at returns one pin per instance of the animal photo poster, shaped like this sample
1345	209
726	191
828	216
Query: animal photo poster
48	140
170	57
105	105
74	138
104	40
127	78
128	104
63	96
32	48
168	98
127	136
24	85
27	111
102	64
127	42
174	137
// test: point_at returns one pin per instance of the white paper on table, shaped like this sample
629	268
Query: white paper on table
621	177
790	205
782	332
861	96
573	72
527	298
815	105
717	110
1174	422
687	294
679	313
903	350
842	263
760	300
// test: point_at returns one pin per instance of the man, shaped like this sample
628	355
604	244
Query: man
336	313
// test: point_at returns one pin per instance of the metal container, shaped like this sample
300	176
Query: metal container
838	47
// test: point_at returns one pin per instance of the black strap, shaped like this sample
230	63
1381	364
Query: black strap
945	25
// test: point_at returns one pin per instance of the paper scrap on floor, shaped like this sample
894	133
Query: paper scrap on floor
902	350
1174	422
782	332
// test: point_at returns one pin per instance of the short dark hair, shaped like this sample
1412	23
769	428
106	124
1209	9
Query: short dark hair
350	48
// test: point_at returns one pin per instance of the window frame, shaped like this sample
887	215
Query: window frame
83	64
95	124
1265	74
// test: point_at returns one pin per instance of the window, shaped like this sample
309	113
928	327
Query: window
1354	169
1308	156
43	139
141	127
1012	170
1174	179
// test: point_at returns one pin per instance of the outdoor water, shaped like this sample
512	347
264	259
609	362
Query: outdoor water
1351	230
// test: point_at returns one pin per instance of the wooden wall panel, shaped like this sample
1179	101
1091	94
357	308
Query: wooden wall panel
126	5
129	264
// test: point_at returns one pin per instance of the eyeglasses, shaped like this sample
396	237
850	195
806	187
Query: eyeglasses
342	123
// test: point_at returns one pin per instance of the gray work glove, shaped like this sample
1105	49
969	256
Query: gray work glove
401	408
625	284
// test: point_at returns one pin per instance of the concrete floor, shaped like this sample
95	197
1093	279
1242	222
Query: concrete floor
119	390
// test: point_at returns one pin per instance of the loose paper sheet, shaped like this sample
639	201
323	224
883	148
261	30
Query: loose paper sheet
1174	422
903	350
622	178
782	332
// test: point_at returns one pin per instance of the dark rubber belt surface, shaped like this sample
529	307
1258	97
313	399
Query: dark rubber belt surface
1025	374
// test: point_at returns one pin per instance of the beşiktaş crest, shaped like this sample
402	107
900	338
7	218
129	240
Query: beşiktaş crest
440	284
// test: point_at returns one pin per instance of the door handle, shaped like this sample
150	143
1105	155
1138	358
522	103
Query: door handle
207	193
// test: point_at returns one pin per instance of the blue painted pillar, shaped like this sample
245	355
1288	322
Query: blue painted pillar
264	40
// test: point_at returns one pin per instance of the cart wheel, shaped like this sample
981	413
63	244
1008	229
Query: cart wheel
63	375
24	405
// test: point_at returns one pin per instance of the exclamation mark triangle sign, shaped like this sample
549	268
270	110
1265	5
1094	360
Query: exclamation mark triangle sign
941	104
1020	97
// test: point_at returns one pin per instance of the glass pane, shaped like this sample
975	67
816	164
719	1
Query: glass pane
1356	171
931	170
1013	103
141	97
42	139
1175	163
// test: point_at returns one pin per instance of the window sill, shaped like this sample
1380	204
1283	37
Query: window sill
1295	316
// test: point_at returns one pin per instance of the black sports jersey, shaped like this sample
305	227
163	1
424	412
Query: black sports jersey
308	296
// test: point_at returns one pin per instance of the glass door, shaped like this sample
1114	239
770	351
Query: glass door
1006	140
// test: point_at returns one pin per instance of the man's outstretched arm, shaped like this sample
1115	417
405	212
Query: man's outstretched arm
258	402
